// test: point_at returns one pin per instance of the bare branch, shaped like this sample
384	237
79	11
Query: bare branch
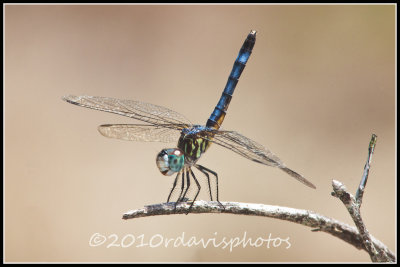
358	237
311	219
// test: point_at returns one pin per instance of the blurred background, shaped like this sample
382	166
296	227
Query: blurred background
320	81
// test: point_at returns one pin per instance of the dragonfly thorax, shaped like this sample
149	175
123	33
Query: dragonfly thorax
170	161
193	142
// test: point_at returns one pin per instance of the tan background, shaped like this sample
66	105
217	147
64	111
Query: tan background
320	81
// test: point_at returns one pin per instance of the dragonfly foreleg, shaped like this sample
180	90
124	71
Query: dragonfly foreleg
173	186
182	187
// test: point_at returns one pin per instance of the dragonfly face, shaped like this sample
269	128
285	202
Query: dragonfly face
170	161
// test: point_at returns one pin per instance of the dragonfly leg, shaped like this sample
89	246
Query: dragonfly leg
208	179
182	187
203	170
173	186
187	187
198	191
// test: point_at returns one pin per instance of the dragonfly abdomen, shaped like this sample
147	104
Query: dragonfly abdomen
218	115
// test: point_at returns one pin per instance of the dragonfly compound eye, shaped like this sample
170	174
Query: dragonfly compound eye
170	161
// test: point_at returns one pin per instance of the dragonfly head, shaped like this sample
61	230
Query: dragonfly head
170	161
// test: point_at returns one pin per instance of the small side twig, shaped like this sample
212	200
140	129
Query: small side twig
363	183
353	205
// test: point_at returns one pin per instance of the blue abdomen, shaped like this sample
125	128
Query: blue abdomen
218	115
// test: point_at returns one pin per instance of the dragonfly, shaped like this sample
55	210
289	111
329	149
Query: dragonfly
164	125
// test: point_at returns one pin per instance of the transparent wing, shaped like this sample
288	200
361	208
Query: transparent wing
137	132
145	112
252	150
245	147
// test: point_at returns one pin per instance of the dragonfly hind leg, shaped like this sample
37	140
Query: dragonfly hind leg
208	181
205	171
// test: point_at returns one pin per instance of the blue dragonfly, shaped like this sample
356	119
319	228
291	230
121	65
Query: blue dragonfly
165	125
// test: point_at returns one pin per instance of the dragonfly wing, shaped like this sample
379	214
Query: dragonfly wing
245	147
142	111
252	150
137	132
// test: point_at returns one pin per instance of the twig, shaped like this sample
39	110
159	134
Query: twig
363	183
311	219
353	205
